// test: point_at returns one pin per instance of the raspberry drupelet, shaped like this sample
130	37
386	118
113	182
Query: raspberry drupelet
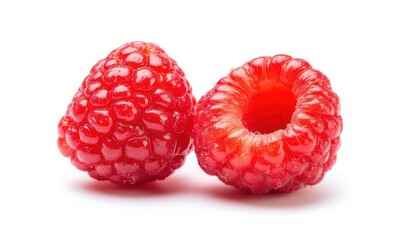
273	124
131	119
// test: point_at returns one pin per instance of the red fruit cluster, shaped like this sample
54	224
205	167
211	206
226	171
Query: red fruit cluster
271	125
131	119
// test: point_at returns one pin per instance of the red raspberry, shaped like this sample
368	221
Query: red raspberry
131	119
271	125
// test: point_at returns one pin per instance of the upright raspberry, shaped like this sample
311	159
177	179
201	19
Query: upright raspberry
131	119
271	125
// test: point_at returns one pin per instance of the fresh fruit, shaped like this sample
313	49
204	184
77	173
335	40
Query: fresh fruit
131	120
271	125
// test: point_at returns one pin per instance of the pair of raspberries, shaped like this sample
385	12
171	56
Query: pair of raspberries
272	124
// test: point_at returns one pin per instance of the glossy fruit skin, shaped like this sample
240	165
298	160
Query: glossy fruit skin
131	119
238	139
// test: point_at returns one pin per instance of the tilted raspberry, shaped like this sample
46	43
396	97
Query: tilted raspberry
131	119
271	125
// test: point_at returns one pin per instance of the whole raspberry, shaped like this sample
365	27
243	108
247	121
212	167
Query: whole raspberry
271	125
131	120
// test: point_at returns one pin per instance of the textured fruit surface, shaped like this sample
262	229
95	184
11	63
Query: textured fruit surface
131	119
271	125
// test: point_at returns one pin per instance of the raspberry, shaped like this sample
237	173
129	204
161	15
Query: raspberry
131	120
271	125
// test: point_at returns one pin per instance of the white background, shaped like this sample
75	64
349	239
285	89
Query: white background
48	47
